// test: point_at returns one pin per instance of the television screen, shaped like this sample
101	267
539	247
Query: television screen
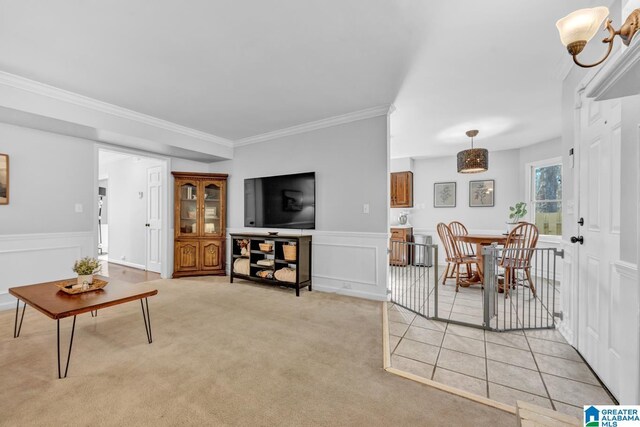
285	201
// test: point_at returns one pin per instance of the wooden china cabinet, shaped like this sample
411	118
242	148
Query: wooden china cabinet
200	203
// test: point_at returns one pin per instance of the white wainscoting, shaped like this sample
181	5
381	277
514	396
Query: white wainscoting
33	258
347	263
624	333
568	295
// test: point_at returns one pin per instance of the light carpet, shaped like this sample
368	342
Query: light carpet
223	354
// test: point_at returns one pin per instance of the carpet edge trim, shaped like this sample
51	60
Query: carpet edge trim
386	351
452	390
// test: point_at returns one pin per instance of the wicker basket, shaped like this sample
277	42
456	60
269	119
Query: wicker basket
266	247
289	252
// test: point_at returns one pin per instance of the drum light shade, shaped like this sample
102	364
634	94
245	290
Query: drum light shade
474	160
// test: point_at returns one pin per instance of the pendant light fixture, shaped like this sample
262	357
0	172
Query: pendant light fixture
474	160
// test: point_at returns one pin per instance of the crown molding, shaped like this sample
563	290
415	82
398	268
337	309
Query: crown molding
368	113
42	89
619	78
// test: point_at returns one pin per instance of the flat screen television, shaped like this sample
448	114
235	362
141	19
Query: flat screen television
285	201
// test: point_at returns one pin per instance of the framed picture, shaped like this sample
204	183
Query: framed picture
444	195
4	179
481	193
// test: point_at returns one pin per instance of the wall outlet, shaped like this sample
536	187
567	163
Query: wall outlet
365	208
79	208
123	257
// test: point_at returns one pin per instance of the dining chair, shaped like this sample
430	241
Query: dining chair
453	256
466	248
517	254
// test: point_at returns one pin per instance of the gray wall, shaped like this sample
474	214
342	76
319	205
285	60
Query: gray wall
49	175
507	168
350	162
503	169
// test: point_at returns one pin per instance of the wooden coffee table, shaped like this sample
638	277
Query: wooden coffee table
56	304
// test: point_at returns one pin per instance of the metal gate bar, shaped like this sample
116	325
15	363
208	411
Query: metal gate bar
411	274
414	285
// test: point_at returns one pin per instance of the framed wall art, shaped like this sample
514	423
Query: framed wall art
4	179
444	195
482	193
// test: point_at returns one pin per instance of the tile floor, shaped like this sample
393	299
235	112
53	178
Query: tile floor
536	366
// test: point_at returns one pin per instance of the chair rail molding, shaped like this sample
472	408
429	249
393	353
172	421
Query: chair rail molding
343	262
54	254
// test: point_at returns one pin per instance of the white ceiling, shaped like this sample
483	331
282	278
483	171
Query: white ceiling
494	66
234	68
241	68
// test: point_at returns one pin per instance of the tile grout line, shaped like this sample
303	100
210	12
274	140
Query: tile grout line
403	337
444	334
546	389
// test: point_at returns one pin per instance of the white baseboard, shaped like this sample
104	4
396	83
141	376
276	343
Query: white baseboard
126	263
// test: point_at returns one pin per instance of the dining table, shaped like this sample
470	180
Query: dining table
481	240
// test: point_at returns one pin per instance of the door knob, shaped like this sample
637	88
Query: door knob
578	239
147	225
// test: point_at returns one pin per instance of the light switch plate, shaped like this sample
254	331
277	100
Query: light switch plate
79	208
365	208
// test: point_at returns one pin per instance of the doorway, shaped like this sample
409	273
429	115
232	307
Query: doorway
131	205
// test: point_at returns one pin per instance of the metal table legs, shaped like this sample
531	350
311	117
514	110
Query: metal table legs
73	329
147	319
17	327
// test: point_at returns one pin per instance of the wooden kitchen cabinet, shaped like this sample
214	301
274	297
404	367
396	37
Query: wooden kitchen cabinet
200	224
402	189
400	254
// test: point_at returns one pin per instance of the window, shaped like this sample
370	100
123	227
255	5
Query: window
545	201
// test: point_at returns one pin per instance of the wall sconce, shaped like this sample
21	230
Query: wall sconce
577	28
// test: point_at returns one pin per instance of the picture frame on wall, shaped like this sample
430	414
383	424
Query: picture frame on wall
444	195
482	193
4	179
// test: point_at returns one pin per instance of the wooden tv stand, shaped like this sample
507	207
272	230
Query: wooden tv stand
302	263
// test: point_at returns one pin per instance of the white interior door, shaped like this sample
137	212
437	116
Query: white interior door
601	324
154	219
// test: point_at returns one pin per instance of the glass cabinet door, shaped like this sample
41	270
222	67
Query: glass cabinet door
188	209
212	221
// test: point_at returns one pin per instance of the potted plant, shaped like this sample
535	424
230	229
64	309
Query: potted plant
516	213
86	268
